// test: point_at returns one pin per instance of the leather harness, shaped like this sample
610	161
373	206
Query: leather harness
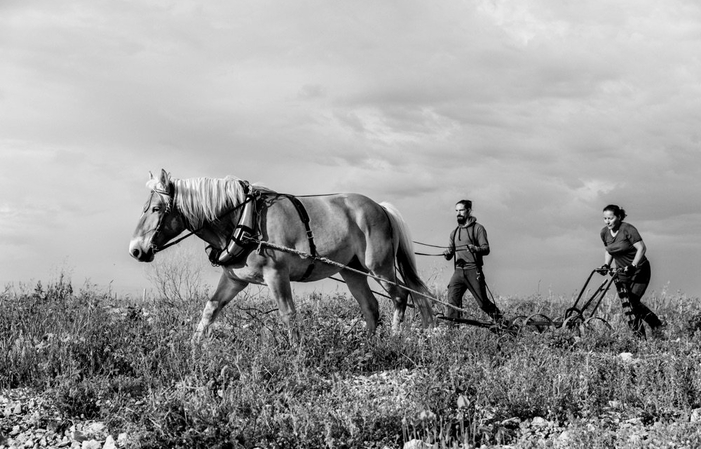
241	242
310	237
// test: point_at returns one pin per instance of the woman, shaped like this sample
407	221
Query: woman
625	247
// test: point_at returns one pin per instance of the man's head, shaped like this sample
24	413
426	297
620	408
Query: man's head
463	209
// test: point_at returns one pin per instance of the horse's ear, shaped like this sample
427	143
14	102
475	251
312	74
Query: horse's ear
152	182
165	178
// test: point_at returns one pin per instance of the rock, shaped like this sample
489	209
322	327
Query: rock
417	444
17	409
77	435
91	444
539	422
635	439
35	418
626	357
695	415
96	429
15	431
109	443
564	437
122	440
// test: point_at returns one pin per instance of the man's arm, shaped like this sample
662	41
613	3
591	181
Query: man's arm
482	243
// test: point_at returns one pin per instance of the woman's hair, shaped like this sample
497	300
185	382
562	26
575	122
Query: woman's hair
617	211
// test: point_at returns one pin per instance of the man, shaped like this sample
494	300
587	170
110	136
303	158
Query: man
468	244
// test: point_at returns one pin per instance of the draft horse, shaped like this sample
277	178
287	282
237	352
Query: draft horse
233	217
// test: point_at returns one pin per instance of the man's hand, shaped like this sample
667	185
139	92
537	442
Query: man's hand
604	269
448	254
471	248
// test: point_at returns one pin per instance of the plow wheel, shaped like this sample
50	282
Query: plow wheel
573	318
597	324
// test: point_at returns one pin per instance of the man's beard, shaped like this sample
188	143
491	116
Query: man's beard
462	220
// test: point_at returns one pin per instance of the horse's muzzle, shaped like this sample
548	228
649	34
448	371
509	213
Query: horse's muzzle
140	254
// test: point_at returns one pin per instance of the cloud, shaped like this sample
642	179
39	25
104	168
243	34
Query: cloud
541	112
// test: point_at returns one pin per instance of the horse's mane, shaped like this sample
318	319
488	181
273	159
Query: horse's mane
202	200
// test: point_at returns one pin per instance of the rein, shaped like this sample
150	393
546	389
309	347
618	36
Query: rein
249	197
435	246
303	255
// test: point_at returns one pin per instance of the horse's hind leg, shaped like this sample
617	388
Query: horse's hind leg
399	296
359	288
384	269
227	289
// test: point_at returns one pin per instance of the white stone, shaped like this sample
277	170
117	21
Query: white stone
91	444
109	443
417	444
95	428
627	357
538	421
695	415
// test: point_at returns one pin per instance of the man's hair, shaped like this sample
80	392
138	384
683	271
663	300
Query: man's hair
466	203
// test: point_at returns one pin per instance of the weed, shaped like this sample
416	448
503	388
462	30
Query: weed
130	363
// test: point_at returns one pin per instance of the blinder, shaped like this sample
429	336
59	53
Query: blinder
162	192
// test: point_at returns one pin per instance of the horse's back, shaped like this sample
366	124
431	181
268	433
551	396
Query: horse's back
346	212
342	226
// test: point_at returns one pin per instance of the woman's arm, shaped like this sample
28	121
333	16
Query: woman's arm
640	247
608	258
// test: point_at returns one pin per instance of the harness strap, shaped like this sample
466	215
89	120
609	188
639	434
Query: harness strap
472	240
238	245
304	216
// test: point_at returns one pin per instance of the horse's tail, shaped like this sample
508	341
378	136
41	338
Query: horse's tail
406	262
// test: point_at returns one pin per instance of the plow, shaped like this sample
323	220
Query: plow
581	313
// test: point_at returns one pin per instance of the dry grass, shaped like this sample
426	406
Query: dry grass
130	364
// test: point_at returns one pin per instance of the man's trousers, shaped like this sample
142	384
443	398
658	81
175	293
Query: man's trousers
472	279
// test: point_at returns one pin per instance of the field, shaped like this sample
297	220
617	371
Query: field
123	372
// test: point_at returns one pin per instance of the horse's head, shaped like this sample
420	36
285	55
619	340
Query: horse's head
159	222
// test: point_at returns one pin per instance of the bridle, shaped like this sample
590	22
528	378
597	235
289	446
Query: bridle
169	195
168	207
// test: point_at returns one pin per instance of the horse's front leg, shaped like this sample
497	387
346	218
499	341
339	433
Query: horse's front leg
278	281
227	289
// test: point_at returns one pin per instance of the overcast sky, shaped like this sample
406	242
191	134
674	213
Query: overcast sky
541	112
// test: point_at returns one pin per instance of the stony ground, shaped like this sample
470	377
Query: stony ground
28	420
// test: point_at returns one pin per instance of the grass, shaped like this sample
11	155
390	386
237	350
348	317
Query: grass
130	364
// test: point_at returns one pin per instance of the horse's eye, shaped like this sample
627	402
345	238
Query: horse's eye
155	209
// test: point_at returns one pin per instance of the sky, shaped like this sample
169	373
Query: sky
540	112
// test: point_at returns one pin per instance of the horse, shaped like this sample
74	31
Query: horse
246	226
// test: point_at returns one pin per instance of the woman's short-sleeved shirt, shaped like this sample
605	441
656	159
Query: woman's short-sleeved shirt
621	246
